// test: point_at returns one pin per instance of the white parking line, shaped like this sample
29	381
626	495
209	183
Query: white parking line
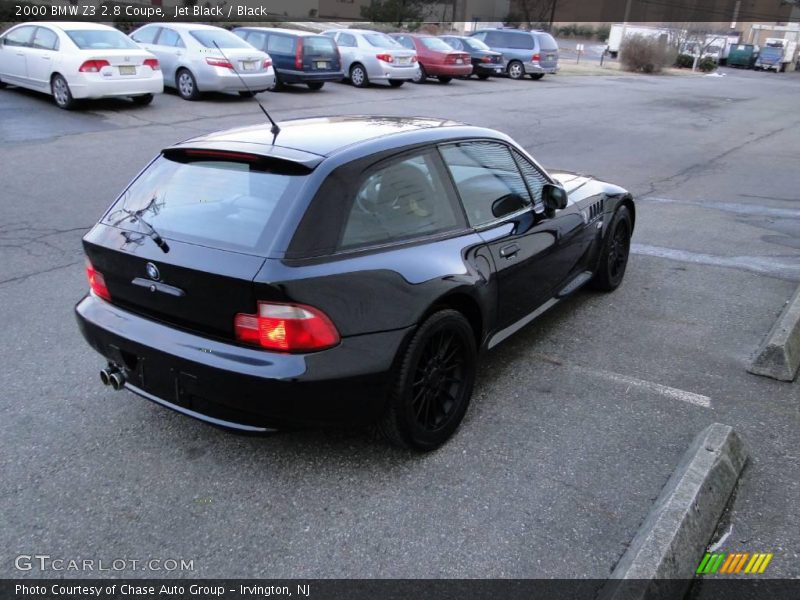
664	390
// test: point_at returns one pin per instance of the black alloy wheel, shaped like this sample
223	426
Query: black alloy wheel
433	383
614	258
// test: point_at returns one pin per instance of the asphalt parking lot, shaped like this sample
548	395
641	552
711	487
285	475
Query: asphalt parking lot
576	423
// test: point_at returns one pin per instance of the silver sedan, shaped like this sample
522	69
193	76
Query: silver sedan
373	56
202	58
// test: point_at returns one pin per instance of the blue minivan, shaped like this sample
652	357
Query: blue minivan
297	56
533	53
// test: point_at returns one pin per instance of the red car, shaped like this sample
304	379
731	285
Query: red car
436	57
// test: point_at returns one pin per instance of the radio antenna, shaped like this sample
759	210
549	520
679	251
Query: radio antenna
275	129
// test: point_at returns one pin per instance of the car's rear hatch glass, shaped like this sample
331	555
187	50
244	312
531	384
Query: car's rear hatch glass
218	199
319	54
216	212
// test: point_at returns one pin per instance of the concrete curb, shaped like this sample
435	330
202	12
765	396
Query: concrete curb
779	355
664	554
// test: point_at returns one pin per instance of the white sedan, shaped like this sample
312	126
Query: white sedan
78	60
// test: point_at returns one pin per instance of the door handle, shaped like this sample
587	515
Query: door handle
509	251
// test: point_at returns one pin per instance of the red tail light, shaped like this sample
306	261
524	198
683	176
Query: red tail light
536	57
152	63
97	282
93	66
298	57
414	59
219	62
286	328
267	63
385	57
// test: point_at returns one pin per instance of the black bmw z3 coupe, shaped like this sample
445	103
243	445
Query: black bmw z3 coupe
345	270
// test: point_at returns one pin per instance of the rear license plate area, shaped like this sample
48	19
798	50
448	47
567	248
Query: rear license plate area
249	65
321	64
403	60
127	70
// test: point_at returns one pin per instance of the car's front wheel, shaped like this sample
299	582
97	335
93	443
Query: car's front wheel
61	93
187	85
433	383
614	257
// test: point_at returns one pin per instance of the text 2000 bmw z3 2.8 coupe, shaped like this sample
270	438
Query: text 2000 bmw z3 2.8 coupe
345	270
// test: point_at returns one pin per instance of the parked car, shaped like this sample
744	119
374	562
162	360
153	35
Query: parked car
344	270
485	61
533	53
436	57
203	58
297	56
369	56
72	61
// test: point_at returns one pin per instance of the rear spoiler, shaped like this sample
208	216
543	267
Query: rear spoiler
246	151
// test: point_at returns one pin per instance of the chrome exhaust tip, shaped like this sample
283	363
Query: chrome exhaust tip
117	380
105	376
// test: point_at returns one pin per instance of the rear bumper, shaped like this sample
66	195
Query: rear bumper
241	387
386	71
449	70
289	76
218	79
488	68
535	67
96	86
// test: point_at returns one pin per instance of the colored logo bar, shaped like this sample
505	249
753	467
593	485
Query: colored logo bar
734	562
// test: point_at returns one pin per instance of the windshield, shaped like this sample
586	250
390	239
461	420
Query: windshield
100	39
475	44
218	203
381	40
436	44
224	39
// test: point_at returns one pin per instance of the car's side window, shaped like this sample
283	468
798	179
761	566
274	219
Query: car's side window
481	36
146	35
493	38
488	180
45	39
402	199
534	178
19	37
347	40
257	39
455	43
169	37
406	41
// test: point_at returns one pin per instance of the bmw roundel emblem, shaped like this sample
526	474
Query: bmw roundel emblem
152	271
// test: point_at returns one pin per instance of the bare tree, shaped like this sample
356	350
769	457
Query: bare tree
531	12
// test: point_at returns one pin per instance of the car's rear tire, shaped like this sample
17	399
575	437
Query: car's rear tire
358	76
515	70
142	100
61	92
421	76
396	82
315	85
3	84
483	76
443	79
616	249
187	85
537	76
277	85
432	384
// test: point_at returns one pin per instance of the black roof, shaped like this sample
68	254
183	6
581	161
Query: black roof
308	141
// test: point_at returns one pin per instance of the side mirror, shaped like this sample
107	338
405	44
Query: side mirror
508	204
554	197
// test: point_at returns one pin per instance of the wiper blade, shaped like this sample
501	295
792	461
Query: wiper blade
136	216
151	231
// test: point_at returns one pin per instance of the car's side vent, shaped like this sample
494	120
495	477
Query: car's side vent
596	209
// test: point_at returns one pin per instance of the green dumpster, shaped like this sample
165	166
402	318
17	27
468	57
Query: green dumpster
742	56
